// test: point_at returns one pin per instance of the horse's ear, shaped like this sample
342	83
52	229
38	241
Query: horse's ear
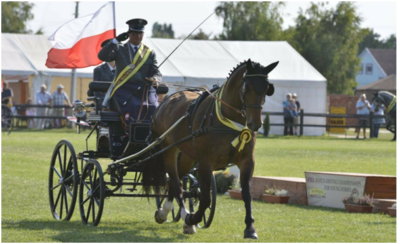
270	67
271	89
249	66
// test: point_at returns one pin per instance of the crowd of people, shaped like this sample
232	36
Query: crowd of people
46	106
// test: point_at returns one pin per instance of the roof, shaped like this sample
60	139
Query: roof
194	59
388	84
386	58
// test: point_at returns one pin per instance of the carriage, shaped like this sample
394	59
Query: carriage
80	177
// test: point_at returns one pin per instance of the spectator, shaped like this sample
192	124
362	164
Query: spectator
43	98
29	111
287	117
377	121
296	119
363	108
58	98
293	108
6	95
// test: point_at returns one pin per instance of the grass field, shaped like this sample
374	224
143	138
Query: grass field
26	216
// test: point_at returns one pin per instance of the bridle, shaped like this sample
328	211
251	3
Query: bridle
241	95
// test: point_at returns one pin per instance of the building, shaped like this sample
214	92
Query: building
385	84
376	64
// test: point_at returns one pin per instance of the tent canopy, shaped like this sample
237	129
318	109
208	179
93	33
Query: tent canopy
196	63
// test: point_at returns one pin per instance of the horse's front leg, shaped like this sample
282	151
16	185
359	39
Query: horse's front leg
205	174
246	173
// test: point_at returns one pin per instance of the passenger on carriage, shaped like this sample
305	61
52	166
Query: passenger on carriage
137	72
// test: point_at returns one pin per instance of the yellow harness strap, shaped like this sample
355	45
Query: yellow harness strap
245	135
391	105
140	58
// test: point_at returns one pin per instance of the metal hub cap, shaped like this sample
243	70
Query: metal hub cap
89	193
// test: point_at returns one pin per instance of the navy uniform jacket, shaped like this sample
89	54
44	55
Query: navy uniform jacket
130	105
103	73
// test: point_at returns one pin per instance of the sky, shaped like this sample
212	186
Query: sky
185	16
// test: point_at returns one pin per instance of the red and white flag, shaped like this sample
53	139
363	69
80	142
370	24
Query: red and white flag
78	41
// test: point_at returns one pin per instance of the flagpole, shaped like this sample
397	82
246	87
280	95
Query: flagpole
73	74
115	26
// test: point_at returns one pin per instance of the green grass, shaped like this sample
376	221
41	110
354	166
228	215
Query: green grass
26	215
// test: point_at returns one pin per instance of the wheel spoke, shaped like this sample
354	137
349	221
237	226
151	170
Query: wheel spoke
58	174
58	198
69	177
66	200
55	186
61	203
85	200
84	183
96	201
93	211
69	191
59	160
204	219
88	211
65	160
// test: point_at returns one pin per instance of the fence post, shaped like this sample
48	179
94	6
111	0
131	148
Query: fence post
301	121
371	124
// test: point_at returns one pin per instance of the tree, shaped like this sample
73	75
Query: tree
329	39
250	20
14	16
371	40
163	31
201	35
390	43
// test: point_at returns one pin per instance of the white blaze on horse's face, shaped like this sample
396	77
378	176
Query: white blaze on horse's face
256	86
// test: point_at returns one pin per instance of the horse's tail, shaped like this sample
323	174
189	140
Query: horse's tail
154	174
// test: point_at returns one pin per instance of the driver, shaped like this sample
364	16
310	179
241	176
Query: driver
136	73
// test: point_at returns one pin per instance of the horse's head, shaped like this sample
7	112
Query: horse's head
377	101
255	86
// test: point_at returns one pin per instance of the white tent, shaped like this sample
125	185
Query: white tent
194	63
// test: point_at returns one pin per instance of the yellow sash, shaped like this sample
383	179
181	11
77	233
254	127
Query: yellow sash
245	135
140	58
391	105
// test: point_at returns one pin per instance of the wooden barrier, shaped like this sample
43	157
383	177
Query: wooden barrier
295	186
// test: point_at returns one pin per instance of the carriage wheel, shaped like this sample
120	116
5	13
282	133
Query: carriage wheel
194	197
7	119
63	181
91	193
174	215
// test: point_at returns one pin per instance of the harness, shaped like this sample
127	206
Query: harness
391	105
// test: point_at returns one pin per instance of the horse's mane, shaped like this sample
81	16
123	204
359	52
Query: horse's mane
256	66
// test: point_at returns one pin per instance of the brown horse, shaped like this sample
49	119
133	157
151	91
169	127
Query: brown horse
242	98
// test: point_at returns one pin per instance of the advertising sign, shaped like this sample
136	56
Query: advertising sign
327	189
337	121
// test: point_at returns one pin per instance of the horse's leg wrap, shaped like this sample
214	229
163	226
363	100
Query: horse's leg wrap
162	214
187	228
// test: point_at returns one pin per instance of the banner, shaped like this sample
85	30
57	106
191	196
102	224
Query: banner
328	189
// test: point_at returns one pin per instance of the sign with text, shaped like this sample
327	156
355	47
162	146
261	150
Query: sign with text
327	189
337	121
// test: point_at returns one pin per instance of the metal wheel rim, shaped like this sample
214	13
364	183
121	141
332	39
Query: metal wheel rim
63	179
91	193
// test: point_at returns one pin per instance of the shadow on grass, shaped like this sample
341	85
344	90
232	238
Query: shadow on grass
323	137
75	231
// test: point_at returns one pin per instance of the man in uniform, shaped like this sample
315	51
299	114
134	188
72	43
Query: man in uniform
137	71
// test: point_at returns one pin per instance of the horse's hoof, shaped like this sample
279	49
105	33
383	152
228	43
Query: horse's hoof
250	234
158	218
189	229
